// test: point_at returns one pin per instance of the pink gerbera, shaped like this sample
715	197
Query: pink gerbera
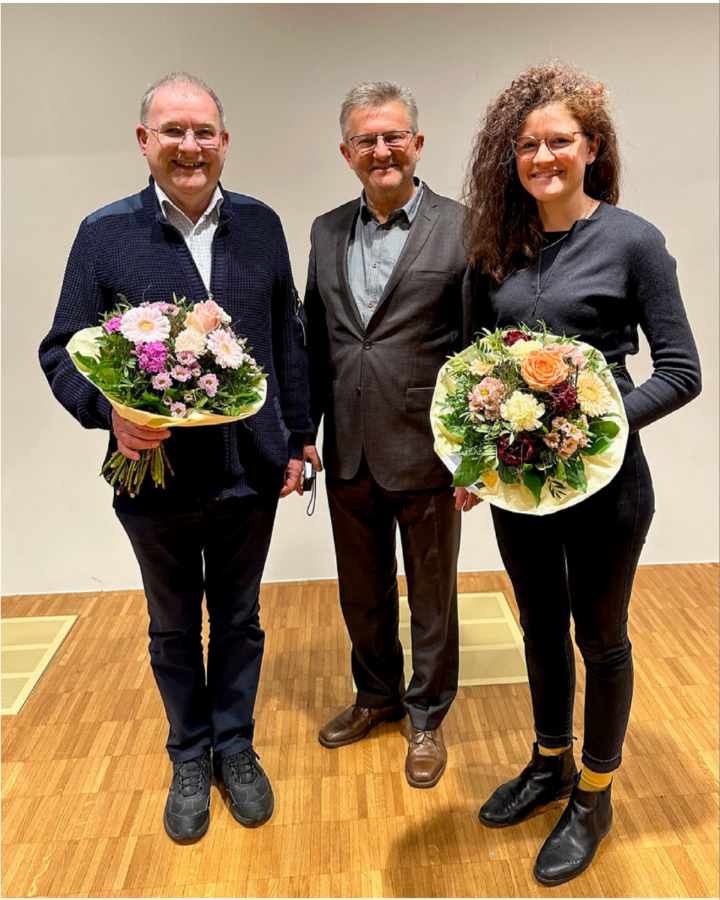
226	350
145	325
178	410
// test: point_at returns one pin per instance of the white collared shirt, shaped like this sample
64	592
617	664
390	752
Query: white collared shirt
198	237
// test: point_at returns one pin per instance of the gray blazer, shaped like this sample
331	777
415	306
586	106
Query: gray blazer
374	386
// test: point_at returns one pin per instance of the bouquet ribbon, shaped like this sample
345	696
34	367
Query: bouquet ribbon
599	470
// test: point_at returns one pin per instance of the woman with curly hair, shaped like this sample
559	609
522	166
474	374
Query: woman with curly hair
548	243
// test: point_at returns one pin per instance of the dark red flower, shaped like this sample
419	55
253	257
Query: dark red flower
523	449
563	398
512	337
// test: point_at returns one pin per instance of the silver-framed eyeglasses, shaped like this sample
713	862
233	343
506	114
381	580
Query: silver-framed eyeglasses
393	140
206	136
559	142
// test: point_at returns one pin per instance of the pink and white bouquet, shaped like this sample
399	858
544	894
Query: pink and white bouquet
529	420
166	365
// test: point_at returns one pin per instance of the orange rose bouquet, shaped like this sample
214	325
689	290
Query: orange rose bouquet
166	365
529	420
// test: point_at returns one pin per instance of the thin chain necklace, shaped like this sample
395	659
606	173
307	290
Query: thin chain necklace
538	287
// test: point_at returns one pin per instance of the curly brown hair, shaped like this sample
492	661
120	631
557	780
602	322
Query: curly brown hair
502	226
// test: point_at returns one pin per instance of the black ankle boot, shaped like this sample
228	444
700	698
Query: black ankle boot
543	780
573	842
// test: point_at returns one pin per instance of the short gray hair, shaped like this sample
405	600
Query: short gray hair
371	94
178	78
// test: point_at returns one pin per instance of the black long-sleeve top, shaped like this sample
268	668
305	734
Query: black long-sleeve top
610	275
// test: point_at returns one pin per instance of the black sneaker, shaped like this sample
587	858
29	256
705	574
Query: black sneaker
248	787
187	811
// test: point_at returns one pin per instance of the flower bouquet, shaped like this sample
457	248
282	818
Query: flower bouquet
165	365
530	421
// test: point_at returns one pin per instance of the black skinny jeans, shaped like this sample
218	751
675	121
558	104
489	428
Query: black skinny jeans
581	562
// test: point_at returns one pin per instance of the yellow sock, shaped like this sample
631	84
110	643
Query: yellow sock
552	751
594	781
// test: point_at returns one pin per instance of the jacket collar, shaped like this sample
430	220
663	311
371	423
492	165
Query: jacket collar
425	220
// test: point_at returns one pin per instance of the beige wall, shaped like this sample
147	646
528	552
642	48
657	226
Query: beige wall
72	76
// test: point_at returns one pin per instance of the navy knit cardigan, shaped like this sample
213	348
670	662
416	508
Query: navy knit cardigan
129	248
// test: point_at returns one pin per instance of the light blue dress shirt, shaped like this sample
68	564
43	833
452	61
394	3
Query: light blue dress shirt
374	249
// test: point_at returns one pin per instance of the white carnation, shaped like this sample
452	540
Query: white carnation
520	349
192	341
522	411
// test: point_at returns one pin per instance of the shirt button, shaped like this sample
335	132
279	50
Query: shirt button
370	305
367	345
374	265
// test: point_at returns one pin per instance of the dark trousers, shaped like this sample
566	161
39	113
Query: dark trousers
232	538
364	519
581	562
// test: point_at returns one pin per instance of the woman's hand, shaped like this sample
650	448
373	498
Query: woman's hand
465	500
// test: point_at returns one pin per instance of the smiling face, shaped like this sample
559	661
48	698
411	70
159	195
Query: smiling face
384	172
556	179
186	172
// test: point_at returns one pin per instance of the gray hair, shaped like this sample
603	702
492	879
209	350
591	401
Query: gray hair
371	94
178	78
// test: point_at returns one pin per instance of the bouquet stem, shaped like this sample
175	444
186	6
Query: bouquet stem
127	475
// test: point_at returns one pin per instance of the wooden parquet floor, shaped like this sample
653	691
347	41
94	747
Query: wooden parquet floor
85	775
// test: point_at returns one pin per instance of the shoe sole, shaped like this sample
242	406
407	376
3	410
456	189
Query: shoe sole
556	882
331	745
538	811
425	784
252	823
185	840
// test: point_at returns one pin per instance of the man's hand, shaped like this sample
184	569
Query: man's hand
310	452
132	437
293	471
465	500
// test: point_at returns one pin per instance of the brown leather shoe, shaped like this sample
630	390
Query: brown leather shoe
426	758
353	723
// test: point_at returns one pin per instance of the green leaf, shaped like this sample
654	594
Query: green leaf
560	471
575	475
87	362
534	483
109	376
611	429
467	472
600	445
508	474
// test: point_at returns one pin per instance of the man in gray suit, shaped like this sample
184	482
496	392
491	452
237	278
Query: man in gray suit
384	302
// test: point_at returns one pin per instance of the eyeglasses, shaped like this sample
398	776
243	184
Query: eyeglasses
206	137
559	142
393	140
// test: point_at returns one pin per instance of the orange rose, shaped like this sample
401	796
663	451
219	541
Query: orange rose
205	317
543	369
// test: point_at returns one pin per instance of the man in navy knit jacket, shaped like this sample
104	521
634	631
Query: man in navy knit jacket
208	532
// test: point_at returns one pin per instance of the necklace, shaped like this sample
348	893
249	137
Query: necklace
593	207
555	242
539	287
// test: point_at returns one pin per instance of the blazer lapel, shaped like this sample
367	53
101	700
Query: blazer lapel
345	231
420	231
